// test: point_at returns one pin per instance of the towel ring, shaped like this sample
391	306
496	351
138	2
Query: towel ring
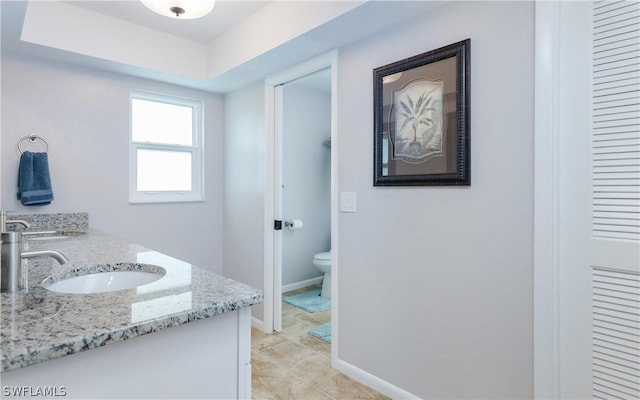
32	139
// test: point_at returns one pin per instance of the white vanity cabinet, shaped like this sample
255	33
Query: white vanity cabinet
209	358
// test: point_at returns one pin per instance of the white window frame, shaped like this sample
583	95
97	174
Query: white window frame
197	153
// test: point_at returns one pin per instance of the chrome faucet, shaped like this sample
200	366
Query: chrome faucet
4	221
11	257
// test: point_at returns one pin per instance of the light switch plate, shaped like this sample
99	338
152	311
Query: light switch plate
348	202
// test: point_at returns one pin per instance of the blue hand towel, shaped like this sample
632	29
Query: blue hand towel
34	181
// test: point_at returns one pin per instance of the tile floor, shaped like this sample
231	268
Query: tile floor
292	364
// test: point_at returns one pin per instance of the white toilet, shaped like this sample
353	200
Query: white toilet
322	261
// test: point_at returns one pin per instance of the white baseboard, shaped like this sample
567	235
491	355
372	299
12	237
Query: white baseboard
372	381
302	284
258	324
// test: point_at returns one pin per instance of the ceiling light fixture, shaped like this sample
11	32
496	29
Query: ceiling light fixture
182	9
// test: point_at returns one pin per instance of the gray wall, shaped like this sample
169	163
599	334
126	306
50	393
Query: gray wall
84	116
306	192
244	163
438	281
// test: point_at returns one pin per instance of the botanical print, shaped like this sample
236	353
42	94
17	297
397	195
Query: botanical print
419	121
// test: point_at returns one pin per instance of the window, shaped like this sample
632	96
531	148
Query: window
166	149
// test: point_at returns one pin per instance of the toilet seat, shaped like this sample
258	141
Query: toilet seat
324	257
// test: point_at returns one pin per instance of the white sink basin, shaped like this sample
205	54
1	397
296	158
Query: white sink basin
104	278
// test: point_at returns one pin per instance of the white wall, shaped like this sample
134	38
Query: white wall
84	116
244	163
435	284
306	179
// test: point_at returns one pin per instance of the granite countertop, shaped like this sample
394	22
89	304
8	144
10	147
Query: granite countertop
40	325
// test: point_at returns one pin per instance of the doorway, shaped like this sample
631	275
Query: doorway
284	198
305	179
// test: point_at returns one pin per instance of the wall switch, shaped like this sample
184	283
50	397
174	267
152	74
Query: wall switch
348	202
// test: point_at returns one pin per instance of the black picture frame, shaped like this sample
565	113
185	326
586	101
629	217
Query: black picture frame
421	119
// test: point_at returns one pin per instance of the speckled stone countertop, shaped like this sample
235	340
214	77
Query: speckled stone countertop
40	325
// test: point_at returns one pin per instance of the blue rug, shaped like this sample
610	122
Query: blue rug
309	301
322	332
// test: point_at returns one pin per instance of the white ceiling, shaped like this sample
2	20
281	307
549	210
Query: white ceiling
225	15
239	43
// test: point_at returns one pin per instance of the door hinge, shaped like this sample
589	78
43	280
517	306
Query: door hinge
277	225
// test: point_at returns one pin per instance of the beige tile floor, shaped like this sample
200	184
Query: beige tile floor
292	364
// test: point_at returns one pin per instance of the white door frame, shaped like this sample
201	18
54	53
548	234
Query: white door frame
273	179
546	335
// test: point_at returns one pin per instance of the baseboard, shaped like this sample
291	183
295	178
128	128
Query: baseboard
258	324
302	284
373	381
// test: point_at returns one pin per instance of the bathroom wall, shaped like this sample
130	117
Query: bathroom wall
244	163
436	280
435	283
84	116
306	191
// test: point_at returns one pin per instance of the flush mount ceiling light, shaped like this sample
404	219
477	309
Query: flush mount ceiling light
182	9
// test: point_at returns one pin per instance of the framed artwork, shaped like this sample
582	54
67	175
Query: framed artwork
421	119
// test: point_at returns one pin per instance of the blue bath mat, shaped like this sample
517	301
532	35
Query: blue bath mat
322	332
309	301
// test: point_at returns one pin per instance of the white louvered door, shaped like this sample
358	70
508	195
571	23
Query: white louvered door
616	120
615	236
616	349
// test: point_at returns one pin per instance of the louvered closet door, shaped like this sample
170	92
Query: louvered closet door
615	253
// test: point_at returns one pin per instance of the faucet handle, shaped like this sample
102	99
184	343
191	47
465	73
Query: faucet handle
4	221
